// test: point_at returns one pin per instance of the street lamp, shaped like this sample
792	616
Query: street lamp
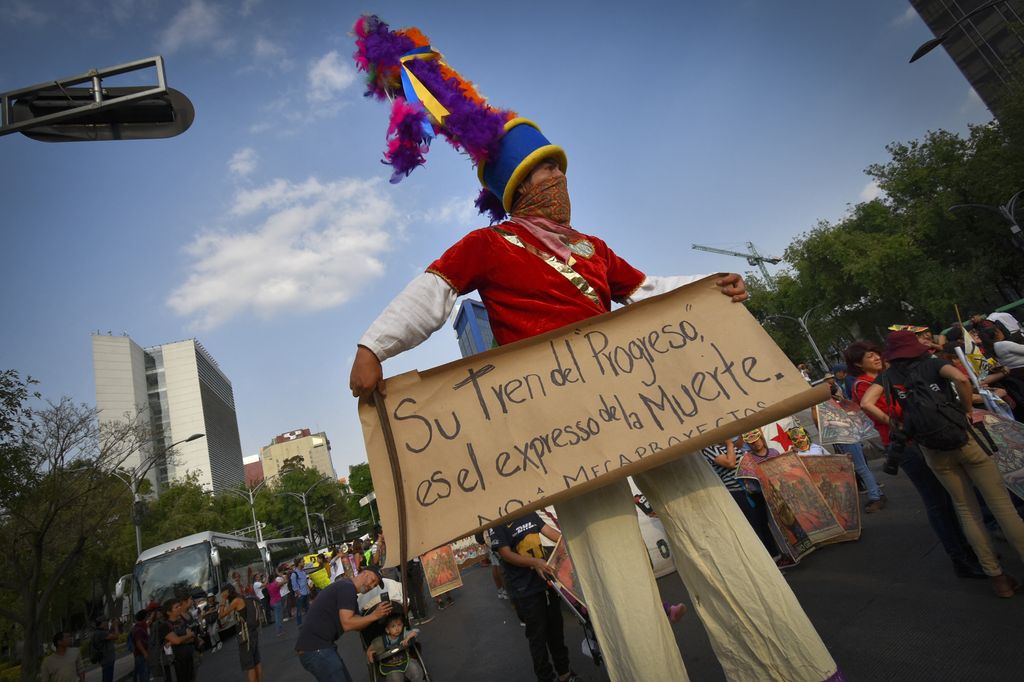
323	520
802	321
930	45
134	477
1008	211
302	498
250	495
327	530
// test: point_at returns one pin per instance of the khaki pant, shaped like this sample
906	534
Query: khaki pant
957	470
757	628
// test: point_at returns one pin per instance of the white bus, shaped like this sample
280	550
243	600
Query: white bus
205	562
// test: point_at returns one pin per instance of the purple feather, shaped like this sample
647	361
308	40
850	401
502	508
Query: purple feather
468	126
488	202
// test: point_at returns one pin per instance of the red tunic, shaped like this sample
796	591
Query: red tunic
523	295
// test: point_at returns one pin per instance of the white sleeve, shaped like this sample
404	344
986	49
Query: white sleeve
654	285
417	312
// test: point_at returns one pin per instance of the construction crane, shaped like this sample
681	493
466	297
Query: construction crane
753	258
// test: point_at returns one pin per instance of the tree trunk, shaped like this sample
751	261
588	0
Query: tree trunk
31	649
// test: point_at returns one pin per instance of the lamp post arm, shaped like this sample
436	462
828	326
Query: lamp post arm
325	478
997	209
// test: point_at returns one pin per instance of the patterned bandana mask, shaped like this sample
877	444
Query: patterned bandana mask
548	199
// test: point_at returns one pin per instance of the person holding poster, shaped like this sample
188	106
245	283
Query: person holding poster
535	272
517	544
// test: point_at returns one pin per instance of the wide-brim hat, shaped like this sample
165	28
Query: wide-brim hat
903	345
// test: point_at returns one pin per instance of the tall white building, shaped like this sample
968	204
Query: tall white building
179	389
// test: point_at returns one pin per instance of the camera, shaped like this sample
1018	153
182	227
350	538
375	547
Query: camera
897	446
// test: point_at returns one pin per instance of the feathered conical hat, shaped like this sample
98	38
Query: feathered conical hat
428	98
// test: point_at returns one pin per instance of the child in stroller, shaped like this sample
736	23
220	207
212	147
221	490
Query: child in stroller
393	654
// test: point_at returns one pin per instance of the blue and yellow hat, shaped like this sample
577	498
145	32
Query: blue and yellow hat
521	148
429	98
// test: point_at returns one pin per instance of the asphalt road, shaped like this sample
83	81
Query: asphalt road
887	606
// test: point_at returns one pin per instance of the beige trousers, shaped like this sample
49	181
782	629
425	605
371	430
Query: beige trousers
755	623
957	470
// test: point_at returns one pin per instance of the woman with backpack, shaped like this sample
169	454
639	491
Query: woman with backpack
930	415
247	612
865	362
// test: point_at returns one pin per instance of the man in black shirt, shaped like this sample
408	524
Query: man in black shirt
517	544
334	612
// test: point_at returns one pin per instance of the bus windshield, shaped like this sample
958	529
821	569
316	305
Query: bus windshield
173	574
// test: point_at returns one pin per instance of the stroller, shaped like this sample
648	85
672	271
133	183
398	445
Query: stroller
375	630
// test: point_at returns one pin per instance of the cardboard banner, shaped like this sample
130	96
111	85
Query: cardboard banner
516	428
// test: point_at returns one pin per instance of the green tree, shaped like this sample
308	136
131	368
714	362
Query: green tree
60	503
905	258
360	482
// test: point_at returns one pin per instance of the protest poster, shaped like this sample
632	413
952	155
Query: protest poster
441	570
834	477
486	438
1008	437
787	476
565	572
843	422
801	517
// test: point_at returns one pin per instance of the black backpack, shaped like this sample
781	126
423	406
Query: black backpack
930	417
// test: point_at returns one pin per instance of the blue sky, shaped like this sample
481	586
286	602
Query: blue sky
269	231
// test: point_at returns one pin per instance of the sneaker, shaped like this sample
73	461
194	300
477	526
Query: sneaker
522	624
875	505
784	563
502	594
421	621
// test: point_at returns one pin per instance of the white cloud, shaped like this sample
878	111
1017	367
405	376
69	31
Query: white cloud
328	76
906	18
459	211
197	24
307	246
264	48
243	162
871	191
21	12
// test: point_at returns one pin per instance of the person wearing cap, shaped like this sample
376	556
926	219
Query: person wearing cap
536	272
961	469
334	612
